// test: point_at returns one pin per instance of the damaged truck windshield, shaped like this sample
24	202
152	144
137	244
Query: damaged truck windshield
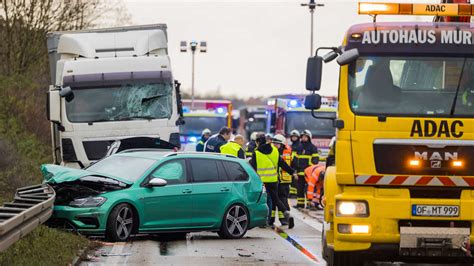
120	102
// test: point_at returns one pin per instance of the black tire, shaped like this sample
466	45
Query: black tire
324	244
120	223
235	222
344	258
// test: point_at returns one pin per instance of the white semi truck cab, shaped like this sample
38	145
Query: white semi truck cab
110	84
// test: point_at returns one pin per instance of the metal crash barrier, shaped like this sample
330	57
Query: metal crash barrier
32	206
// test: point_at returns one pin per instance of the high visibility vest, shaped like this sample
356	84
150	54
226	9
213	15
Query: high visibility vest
287	156
267	165
315	185
231	148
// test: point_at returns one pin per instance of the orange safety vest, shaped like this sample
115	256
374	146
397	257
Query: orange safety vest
312	174
285	178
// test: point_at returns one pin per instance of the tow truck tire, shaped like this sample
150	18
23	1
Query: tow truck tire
344	258
120	223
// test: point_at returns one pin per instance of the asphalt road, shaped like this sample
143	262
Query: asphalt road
298	246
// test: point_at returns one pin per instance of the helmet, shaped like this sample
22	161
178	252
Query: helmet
279	138
253	136
206	131
295	132
307	133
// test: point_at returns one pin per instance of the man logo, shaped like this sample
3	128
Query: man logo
436	156
436	164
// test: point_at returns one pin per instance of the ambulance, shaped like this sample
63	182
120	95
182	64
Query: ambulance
402	187
202	114
287	112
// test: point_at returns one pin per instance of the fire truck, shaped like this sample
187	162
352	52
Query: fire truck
402	187
286	113
202	114
252	119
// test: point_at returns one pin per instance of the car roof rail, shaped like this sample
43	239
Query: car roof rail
145	149
200	153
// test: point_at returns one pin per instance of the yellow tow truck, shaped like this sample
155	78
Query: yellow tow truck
402	187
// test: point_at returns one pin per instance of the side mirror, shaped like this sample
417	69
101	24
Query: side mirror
53	102
157	182
314	71
348	57
67	93
312	101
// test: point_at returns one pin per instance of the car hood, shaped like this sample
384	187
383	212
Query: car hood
57	174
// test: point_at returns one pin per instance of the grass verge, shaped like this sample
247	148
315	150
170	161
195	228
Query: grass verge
45	246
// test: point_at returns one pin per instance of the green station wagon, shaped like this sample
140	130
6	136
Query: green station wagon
149	191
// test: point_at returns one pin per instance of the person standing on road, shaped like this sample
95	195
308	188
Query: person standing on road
284	177
266	160
251	145
234	147
306	155
206	133
295	144
215	142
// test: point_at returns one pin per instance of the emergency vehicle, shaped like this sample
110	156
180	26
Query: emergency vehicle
211	114
252	119
403	183
287	112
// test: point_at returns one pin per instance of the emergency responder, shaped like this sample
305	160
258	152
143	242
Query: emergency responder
295	143
251	145
279	141
215	142
314	177
266	160
234	147
269	137
306	155
206	133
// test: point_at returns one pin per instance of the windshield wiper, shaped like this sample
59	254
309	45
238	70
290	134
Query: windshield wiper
453	107
150	98
147	117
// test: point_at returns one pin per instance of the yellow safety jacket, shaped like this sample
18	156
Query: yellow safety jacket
231	148
287	155
267	165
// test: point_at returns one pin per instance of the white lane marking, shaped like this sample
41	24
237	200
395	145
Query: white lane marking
307	220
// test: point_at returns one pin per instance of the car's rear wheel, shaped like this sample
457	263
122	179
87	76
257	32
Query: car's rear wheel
235	222
120	223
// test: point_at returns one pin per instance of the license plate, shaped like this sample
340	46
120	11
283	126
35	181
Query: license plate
435	210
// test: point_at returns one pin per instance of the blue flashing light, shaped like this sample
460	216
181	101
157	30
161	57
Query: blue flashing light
220	110
293	103
186	109
192	139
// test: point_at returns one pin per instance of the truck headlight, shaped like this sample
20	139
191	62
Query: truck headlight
88	202
352	208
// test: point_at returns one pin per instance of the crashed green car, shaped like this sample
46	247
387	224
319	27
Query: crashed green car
151	192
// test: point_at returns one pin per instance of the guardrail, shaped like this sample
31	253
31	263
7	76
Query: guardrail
32	206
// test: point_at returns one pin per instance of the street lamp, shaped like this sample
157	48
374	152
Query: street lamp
193	46
311	5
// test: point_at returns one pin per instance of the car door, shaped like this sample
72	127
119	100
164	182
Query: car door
168	207
211	192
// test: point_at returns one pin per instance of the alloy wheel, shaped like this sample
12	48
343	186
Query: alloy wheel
124	223
236	220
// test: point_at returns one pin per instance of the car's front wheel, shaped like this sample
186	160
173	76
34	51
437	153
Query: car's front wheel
235	223
120	223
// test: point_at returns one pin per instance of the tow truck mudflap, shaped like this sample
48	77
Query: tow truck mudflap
434	242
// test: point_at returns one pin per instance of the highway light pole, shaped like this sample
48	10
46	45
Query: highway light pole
312	5
193	46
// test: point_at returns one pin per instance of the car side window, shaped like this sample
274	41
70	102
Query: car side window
204	170
235	171
174	172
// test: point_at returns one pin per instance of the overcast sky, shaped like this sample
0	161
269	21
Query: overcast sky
255	47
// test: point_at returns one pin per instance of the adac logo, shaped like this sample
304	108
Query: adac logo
430	128
435	8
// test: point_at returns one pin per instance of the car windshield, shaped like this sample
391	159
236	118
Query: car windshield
304	120
120	102
194	125
412	86
258	124
125	167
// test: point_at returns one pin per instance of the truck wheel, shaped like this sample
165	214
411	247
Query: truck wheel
344	258
235	222
120	223
324	244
